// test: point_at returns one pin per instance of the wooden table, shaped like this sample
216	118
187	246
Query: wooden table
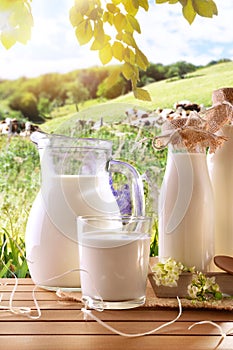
61	325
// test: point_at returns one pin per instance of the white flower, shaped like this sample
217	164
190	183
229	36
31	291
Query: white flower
192	291
167	274
201	287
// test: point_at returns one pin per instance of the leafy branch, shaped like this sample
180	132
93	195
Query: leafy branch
16	22
94	20
109	26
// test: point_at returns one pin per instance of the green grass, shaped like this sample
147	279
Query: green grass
19	183
197	87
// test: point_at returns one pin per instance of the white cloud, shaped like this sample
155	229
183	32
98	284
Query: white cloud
167	37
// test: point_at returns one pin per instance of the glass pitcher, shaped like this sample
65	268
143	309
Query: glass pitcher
75	180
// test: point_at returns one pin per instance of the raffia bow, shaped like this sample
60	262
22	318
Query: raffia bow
195	133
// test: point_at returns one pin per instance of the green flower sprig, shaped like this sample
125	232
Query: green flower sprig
204	288
201	287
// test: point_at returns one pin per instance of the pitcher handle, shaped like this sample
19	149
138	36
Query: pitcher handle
136	182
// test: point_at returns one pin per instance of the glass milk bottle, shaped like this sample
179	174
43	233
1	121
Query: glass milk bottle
220	166
186	210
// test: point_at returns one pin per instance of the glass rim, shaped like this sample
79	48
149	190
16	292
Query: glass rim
114	217
73	142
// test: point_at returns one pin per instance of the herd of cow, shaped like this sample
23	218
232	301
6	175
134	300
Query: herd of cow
11	127
134	116
158	116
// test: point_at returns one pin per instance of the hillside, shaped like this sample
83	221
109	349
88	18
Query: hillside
196	87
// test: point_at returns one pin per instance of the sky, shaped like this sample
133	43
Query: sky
166	38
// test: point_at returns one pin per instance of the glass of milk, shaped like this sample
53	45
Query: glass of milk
114	257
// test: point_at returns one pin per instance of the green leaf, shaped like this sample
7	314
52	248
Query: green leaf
135	3
75	17
142	94
134	23
8	39
116	2
99	31
119	22
23	34
183	2
141	59
82	6
205	8
130	7
161	1
105	54
189	12
118	50
112	8
128	70
128	39
112	78
129	56
144	4
94	14
108	17
5	269
84	32
99	45
20	22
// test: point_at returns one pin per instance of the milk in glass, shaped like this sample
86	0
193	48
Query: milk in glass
115	264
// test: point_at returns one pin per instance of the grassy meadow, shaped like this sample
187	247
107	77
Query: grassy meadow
19	160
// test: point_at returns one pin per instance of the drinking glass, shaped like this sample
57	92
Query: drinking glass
114	258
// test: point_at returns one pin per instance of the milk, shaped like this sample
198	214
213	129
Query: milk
116	265
220	166
51	234
186	211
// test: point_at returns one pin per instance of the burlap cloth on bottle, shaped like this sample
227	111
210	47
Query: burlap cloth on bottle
152	301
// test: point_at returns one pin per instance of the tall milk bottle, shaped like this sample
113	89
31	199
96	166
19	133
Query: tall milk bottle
186	211
220	166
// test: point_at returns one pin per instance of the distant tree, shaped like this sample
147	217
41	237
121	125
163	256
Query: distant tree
154	72
222	60
27	104
91	78
77	93
51	85
180	69
44	106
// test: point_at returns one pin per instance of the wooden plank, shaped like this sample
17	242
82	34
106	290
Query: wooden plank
20	288
93	328
112	342
44	304
40	295
165	315
21	281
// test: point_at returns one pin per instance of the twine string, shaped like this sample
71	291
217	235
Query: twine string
87	313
